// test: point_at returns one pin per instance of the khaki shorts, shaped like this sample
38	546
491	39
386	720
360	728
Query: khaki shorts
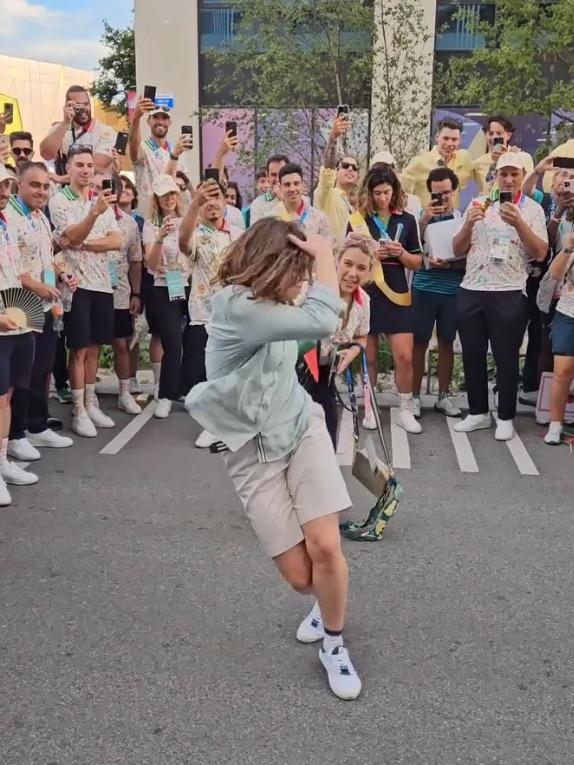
280	497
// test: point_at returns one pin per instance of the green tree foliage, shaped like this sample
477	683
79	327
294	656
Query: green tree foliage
296	54
526	64
116	70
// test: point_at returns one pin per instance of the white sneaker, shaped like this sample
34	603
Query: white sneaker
416	407
369	422
446	406
504	430
21	449
127	404
406	420
13	473
162	408
83	426
5	498
311	628
343	678
49	439
205	439
473	422
554	435
99	419
529	398
135	386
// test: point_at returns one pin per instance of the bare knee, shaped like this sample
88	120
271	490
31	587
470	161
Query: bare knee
324	551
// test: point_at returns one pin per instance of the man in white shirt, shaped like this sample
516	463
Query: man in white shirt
86	229
204	234
499	236
153	156
268	204
16	346
294	206
79	128
29	429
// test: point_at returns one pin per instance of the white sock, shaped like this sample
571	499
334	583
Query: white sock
156	369
91	398
406	400
78	400
332	641
124	387
3	451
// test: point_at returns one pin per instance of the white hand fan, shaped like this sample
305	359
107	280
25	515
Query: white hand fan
23	307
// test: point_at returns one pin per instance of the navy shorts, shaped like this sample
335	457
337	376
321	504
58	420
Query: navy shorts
562	333
123	323
432	308
91	320
16	360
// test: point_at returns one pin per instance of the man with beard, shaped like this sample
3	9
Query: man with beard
22	149
294	206
204	235
154	156
79	128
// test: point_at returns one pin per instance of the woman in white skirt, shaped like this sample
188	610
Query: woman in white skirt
280	457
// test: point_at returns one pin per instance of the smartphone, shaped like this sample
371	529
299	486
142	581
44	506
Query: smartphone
231	128
564	162
149	92
436	198
566	185
121	142
107	184
8	113
343	111
505	197
211	174
498	141
187	129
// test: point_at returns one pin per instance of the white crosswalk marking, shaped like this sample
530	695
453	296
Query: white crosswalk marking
401	453
521	457
345	442
462	448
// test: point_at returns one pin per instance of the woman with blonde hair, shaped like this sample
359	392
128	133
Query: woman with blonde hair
281	459
382	217
170	269
355	262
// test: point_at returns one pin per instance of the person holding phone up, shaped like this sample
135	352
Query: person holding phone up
88	234
498	131
500	234
153	155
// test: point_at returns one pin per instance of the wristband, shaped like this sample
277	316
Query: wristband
568	250
159	241
136	294
173	156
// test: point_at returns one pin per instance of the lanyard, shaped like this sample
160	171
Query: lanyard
302	213
382	227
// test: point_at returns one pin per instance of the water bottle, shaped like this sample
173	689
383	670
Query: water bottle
67	295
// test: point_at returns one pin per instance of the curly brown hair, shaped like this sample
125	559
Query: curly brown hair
264	260
375	177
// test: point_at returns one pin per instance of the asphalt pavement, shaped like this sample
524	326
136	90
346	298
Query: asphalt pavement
141	625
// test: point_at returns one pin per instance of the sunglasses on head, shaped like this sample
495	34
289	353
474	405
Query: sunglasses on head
78	148
17	152
349	166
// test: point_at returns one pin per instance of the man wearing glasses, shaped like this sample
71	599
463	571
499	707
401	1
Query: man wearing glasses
336	182
22	148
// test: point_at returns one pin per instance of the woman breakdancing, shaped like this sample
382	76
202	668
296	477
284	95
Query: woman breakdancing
280	457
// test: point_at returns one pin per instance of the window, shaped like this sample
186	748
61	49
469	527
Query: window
218	22
455	25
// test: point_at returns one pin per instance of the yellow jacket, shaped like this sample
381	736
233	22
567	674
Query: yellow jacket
414	176
333	202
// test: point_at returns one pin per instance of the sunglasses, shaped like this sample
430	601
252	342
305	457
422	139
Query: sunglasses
349	166
26	152
78	148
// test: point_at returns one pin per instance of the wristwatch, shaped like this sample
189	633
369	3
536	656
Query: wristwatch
568	250
173	156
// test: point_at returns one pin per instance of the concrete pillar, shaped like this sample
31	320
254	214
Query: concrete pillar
167	54
401	123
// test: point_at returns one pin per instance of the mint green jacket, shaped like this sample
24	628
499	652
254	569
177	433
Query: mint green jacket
252	391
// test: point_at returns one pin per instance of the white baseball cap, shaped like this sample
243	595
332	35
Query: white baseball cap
164	184
383	156
511	159
4	174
